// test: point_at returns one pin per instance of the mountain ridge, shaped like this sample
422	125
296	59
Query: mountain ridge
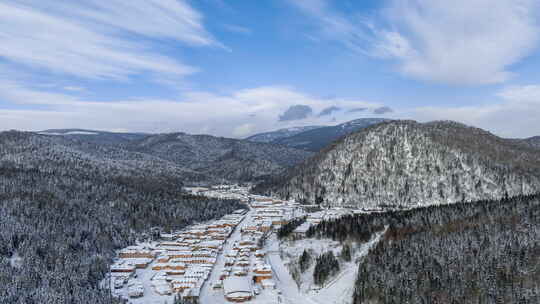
202	157
315	138
408	164
271	136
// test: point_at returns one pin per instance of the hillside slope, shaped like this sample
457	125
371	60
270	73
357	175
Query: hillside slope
477	252
533	141
408	164
97	137
218	157
65	207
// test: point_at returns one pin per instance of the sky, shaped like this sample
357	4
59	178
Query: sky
235	68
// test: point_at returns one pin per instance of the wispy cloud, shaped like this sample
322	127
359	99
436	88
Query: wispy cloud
334	25
383	110
513	112
99	39
235	114
74	89
456	42
237	29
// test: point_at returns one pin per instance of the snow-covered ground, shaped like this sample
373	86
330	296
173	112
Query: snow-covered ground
215	296
292	250
15	260
150	296
281	257
338	290
284	281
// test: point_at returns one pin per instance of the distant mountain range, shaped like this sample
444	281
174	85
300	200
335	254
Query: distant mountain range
409	164
218	157
199	157
314	138
269	137
98	137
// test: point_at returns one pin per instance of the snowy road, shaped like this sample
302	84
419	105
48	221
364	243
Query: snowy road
208	294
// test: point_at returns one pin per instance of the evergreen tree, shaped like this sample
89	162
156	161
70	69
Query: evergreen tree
346	254
304	261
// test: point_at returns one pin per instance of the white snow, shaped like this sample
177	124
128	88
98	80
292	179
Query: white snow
281	288
338	290
69	133
282	277
15	260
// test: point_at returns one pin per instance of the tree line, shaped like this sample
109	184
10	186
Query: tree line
481	252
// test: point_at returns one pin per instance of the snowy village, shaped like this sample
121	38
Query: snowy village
232	259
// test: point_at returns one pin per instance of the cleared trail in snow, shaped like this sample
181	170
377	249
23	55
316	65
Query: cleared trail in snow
339	290
282	277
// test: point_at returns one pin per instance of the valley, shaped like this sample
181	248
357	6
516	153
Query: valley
178	218
237	258
270	152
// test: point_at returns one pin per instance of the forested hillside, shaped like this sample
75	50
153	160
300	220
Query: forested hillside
220	158
65	208
202	158
533	141
481	252
408	164
98	137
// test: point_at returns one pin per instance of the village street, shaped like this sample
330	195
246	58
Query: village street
214	262
209	295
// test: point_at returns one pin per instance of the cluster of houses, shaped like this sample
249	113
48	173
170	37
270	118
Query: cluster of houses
180	263
245	270
222	191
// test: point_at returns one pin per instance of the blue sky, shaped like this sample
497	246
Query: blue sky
233	68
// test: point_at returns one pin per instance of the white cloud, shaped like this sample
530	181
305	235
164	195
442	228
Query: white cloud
237	29
74	89
457	42
515	114
243	130
333	25
238	114
98	39
529	94
513	111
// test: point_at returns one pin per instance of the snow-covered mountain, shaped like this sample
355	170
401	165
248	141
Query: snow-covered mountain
533	141
314	138
200	157
269	137
98	137
408	164
317	139
218	157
